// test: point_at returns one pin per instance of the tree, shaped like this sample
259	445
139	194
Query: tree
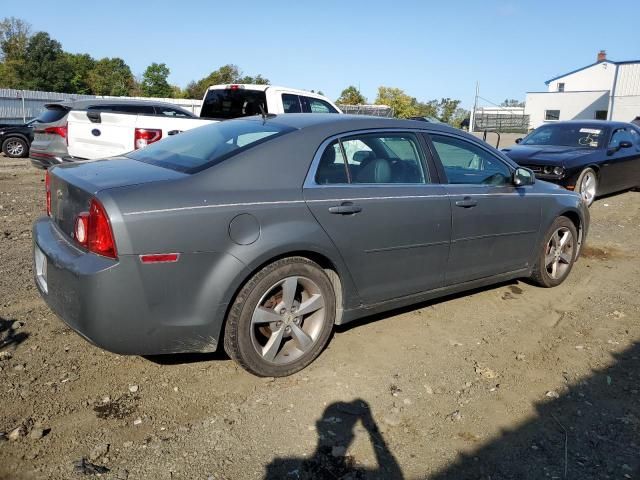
446	109
81	65
351	96
14	37
403	105
511	102
154	81
225	74
111	76
45	66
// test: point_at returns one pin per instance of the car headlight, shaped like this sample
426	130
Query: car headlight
558	171
547	170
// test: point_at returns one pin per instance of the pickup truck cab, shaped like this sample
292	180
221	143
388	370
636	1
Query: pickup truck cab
223	102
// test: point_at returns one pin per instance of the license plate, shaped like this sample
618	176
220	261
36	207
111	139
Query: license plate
41	269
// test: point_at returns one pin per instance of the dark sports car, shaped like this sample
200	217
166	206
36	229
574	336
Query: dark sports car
591	157
262	233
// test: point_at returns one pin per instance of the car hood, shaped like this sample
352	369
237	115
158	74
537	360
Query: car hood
95	175
545	155
11	125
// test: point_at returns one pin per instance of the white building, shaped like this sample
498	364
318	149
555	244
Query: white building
605	90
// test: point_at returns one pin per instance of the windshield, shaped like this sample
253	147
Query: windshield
233	103
203	147
53	113
566	136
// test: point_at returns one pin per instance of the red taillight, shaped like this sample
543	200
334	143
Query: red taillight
61	130
144	136
234	87
93	231
47	186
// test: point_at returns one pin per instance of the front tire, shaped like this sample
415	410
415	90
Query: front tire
587	185
15	147
281	319
557	254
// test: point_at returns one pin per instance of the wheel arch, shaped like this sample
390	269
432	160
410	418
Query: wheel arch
11	135
577	220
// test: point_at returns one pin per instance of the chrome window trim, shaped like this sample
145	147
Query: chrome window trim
310	179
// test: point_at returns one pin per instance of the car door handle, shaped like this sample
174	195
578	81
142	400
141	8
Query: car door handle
174	132
346	208
466	202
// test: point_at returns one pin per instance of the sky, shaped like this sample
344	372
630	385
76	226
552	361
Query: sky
428	49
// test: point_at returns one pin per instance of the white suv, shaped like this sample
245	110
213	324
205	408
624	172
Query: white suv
222	102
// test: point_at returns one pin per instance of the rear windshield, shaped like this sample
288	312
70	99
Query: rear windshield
566	135
51	114
233	103
203	147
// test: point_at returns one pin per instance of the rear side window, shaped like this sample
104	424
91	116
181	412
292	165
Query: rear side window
389	158
172	112
122	108
51	114
203	147
315	105
466	163
233	103
291	103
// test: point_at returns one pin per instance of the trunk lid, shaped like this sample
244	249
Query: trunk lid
74	185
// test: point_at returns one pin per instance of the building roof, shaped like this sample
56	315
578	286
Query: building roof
589	66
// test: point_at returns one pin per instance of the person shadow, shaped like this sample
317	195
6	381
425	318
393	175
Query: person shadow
336	432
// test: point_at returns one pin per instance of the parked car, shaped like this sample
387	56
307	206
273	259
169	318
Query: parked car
591	157
224	102
99	128
16	138
261	234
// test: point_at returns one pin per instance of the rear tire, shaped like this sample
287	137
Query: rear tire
557	254
15	147
587	185
281	319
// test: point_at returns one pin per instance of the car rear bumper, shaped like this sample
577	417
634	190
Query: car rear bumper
46	160
129	308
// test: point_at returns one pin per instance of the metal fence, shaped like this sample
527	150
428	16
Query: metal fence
375	110
18	106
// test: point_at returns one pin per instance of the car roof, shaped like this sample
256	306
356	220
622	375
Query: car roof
263	88
351	122
591	123
81	104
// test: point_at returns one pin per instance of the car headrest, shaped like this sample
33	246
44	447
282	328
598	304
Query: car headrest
376	171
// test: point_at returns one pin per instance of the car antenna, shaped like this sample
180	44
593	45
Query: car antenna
263	113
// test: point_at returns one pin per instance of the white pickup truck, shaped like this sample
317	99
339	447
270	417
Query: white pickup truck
106	129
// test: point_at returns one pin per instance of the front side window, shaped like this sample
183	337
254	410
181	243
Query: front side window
466	163
393	158
203	147
552	115
620	135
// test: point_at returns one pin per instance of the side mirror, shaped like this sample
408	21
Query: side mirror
518	140
523	176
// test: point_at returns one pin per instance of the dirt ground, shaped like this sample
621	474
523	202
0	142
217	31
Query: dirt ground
509	382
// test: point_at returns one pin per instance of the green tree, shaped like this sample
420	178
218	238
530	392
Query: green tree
154	81
81	65
446	109
111	76
351	96
225	74
45	66
403	105
14	37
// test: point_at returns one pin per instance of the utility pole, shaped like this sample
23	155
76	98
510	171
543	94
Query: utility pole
472	120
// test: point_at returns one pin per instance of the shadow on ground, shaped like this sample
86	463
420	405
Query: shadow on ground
8	334
330	461
592	431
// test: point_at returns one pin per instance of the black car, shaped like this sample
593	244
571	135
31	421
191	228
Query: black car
15	139
591	157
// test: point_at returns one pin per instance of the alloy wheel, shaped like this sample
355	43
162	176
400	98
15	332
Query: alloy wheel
588	187
559	253
288	320
15	148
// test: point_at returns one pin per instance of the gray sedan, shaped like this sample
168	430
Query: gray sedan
262	233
